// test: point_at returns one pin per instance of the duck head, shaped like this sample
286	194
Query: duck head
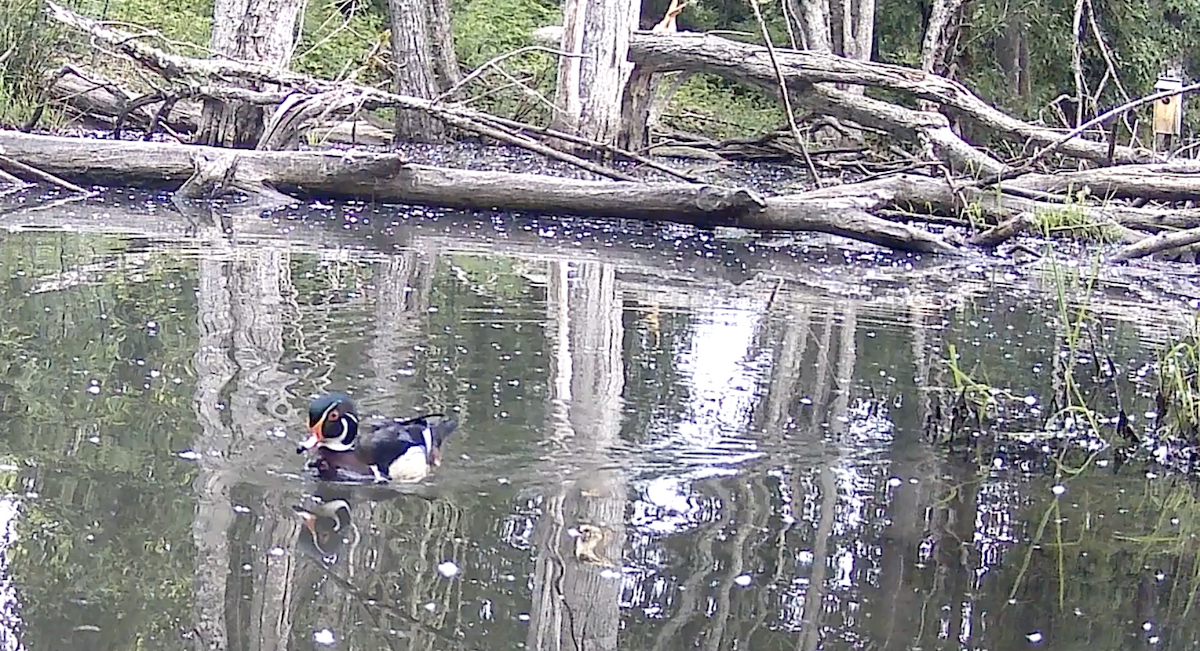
332	423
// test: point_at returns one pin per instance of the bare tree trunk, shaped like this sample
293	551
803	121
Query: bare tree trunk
259	31
591	85
441	44
814	18
423	56
937	35
1012	53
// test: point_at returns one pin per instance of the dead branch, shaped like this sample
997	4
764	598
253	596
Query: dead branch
785	95
1061	143
1002	232
1160	242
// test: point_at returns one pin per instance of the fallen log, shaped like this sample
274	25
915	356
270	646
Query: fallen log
728	58
749	63
917	195
103	101
811	74
387	177
1172	181
1152	245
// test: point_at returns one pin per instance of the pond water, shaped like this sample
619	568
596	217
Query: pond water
668	441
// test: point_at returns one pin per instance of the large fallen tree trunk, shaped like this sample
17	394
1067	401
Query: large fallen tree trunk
749	63
702	52
1173	181
811	74
388	177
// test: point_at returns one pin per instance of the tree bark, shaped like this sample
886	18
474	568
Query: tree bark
258	31
853	23
441	44
419	54
591	84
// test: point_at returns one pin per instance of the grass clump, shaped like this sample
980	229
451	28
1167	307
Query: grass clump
27	43
1177	401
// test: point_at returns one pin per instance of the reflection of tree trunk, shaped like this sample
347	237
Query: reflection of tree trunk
785	371
259	280
843	377
214	513
907	507
847	358
820	380
575	606
748	516
814	599
558	332
953	549
400	306
692	599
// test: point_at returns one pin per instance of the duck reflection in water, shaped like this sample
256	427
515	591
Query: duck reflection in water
328	523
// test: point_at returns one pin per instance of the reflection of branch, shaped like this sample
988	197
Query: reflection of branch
368	603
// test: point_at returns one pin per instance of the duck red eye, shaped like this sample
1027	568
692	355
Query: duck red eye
333	416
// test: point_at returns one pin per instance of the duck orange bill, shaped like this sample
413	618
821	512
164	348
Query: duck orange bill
311	442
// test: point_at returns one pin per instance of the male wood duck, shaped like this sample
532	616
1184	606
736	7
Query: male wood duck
395	450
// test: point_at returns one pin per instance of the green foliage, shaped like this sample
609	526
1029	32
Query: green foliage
1179	388
27	41
1142	36
335	47
1072	221
485	29
722	109
184	25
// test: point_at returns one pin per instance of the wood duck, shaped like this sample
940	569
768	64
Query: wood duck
402	450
